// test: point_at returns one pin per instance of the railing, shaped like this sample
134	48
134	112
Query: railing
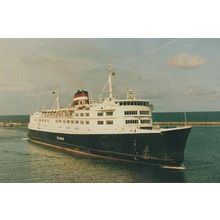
192	123
172	123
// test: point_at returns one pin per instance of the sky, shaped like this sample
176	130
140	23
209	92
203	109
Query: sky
174	74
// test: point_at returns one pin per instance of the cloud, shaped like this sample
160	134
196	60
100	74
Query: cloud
200	91
185	60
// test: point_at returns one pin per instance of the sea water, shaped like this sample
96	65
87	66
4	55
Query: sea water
23	161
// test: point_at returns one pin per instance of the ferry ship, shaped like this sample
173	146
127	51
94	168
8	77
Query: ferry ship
109	128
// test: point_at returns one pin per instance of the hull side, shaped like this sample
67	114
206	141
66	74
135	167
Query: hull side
165	148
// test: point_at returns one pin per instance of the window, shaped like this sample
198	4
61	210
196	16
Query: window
68	121
145	121
59	121
131	121
144	103
81	122
64	121
77	114
87	114
77	122
109	122
130	112
100	122
109	113
144	112
81	114
87	122
100	113
72	122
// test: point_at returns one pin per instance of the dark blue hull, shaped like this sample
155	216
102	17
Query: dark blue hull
165	148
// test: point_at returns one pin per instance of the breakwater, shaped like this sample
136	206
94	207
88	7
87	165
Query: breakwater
13	124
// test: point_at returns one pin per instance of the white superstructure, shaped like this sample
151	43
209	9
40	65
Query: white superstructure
103	116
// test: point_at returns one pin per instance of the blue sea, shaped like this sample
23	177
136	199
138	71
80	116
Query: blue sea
22	161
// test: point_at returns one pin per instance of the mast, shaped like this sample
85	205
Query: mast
110	74
57	99
57	105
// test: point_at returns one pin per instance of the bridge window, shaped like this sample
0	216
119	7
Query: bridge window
130	112
134	103
131	121
144	112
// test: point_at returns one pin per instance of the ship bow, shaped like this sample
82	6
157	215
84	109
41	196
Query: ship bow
175	141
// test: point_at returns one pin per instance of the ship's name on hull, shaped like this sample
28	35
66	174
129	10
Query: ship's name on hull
60	138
